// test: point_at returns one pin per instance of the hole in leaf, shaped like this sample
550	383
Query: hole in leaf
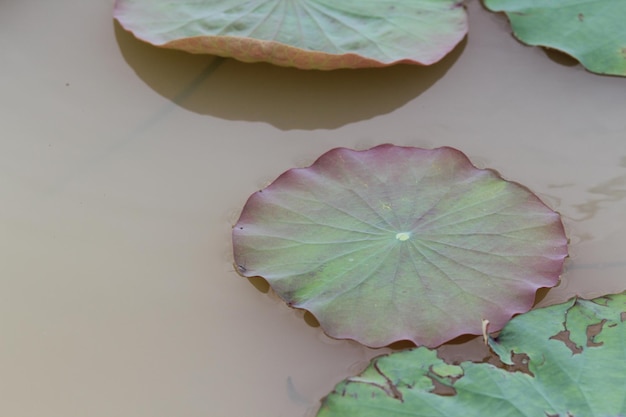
440	388
563	336
592	331
520	363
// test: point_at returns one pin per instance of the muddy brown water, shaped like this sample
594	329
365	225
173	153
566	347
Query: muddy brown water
123	167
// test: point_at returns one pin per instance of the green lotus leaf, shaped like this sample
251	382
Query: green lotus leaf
308	34
400	243
563	360
592	31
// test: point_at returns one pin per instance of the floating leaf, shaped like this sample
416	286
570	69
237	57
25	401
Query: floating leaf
594	32
400	243
564	360
310	34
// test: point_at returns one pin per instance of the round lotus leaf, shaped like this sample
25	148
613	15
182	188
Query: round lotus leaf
563	360
308	34
593	32
400	243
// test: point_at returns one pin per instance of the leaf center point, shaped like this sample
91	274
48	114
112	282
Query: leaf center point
402	236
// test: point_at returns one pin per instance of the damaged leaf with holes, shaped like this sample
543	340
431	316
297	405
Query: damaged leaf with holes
400	243
593	32
564	360
307	34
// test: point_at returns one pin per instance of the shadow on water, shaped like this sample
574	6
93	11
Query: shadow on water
560	57
286	98
260	284
264	287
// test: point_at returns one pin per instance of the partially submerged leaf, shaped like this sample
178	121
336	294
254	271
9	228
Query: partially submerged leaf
320	34
550	380
592	31
399	243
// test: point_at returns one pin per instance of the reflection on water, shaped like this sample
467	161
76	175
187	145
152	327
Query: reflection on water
611	191
296	397
587	221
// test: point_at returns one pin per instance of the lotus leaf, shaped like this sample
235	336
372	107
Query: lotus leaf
563	360
400	243
310	34
592	31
